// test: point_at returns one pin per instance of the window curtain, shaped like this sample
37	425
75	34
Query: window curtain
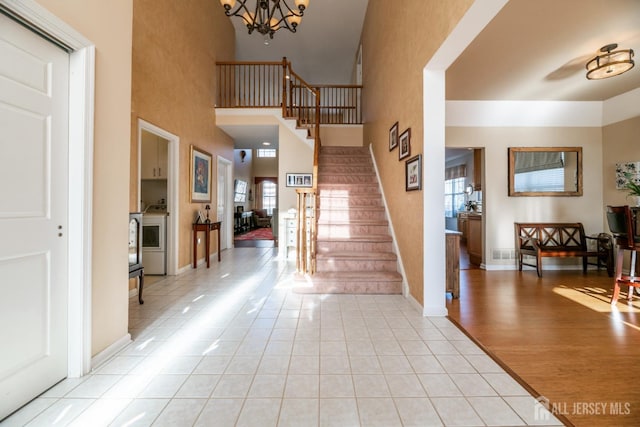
538	161
454	172
259	183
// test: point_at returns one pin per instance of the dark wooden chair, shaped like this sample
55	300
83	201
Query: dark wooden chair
621	222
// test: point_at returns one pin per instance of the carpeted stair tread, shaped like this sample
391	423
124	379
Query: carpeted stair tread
357	238
357	276
330	221
361	256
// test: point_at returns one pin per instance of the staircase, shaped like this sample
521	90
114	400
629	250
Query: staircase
354	247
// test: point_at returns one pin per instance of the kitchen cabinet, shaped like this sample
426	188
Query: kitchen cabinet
463	226
474	239
154	162
453	263
477	169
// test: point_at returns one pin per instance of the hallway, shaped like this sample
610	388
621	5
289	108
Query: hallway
232	345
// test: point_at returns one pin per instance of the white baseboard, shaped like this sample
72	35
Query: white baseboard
414	303
405	282
110	351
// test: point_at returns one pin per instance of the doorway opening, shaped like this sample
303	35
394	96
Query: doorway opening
158	171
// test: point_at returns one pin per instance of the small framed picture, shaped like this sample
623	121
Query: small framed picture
413	173
405	144
299	180
393	136
200	176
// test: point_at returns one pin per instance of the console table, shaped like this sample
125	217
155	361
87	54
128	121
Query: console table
206	227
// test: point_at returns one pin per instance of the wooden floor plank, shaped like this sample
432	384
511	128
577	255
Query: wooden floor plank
559	335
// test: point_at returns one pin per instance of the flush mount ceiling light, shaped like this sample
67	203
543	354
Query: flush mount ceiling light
266	16
610	63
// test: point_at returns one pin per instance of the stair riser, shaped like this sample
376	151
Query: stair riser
350	215
344	160
387	288
325	246
344	169
352	202
347	179
345	151
341	190
327	230
333	264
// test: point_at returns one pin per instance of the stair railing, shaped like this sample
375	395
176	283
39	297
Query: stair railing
276	85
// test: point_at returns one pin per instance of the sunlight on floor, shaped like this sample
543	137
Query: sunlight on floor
598	299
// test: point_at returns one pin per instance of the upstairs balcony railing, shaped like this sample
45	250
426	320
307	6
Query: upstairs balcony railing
276	85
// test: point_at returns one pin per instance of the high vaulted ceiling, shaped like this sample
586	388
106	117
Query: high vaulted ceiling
532	50
322	50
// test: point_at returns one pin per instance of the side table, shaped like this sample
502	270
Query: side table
206	227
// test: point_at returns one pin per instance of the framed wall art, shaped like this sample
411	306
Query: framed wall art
413	173
405	144
393	136
299	180
200	176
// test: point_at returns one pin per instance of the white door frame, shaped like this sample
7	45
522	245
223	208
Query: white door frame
81	121
227	220
173	205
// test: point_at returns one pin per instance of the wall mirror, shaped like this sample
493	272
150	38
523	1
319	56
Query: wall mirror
545	171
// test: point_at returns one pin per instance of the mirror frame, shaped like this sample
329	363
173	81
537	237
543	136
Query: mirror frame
512	157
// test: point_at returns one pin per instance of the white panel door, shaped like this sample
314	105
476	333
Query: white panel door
34	77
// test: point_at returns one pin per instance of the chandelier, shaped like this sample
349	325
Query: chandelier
266	16
610	63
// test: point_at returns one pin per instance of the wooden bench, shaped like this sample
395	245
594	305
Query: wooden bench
562	240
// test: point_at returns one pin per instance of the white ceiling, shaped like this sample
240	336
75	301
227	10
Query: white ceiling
537	50
323	48
532	50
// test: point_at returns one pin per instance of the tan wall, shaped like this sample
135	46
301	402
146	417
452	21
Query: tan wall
175	47
96	20
620	142
501	211
342	135
397	44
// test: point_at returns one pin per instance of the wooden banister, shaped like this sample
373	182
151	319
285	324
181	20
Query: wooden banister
274	84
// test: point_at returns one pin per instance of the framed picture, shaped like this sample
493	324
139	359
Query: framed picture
200	176
393	136
405	144
299	180
413	173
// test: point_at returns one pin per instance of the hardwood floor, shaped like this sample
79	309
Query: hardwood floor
561	337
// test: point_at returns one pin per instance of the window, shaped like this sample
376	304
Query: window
266	152
453	196
540	180
269	196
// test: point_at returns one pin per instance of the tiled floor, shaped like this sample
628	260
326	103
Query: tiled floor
233	346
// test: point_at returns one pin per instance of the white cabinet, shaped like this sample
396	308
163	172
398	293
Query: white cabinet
154	161
290	234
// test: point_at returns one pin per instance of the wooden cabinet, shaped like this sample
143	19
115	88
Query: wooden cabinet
463	226
154	161
474	239
477	169
453	263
